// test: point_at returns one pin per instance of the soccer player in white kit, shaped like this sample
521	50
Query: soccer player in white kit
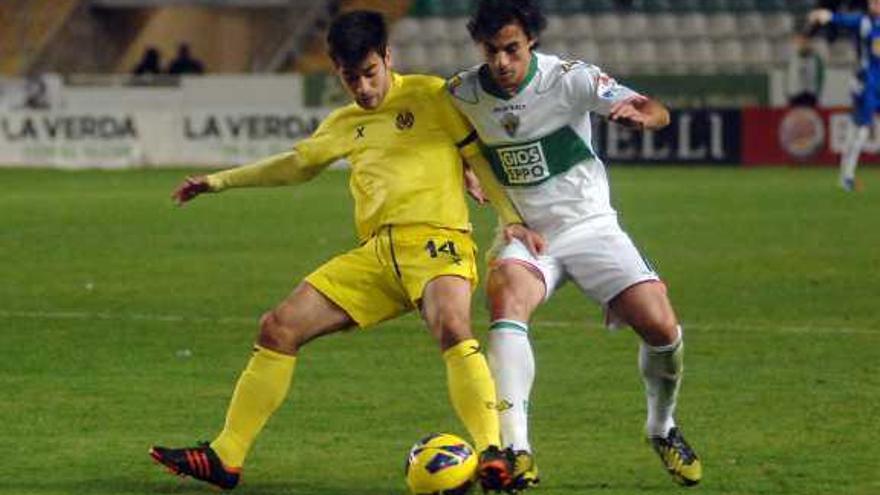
532	112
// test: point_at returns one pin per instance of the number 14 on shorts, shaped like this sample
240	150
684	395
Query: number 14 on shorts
447	248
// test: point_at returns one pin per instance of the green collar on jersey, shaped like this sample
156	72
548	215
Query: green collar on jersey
490	86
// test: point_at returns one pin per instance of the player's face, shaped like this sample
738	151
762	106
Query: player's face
368	82
874	7
508	55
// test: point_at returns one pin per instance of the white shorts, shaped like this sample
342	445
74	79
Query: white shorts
598	256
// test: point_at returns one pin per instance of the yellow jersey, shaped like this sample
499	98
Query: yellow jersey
405	158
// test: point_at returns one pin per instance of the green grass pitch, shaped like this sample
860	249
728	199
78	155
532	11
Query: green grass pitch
125	321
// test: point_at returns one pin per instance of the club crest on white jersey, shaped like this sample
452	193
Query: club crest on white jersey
510	122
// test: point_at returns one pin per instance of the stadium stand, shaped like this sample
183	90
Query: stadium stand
628	37
34	26
108	36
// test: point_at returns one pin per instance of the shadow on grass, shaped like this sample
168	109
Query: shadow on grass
119	486
598	487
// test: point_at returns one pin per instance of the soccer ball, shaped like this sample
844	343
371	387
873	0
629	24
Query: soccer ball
440	464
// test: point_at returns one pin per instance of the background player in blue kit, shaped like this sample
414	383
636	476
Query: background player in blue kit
866	83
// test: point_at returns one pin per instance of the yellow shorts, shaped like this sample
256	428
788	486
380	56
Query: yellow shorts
386	276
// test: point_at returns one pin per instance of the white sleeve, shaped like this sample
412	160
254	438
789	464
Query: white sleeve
596	91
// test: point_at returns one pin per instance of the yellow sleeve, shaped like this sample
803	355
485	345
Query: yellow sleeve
276	170
307	159
493	190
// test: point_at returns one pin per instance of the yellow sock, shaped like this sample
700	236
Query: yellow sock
261	388
472	392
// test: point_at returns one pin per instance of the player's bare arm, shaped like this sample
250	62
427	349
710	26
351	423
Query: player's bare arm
640	112
473	187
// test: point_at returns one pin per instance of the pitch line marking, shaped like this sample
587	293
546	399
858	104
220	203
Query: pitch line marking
244	320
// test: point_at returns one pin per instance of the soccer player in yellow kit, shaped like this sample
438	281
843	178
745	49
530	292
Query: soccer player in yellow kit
405	142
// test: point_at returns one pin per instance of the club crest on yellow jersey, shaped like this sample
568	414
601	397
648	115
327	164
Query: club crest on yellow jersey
405	120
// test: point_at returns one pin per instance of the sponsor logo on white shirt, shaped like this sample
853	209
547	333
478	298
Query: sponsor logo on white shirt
524	164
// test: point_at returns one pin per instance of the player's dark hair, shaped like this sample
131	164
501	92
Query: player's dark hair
353	35
492	15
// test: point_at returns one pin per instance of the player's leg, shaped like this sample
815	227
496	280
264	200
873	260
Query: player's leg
263	385
352	288
445	307
863	113
515	288
606	265
261	388
438	270
646	308
514	291
849	160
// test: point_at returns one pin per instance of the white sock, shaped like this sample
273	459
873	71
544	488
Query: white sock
661	369
850	158
513	368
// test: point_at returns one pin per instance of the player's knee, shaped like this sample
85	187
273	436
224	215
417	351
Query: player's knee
277	334
451	327
508	303
513	292
454	324
658	326
505	273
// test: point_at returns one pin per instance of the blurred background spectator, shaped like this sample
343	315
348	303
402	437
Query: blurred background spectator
185	63
805	75
150	63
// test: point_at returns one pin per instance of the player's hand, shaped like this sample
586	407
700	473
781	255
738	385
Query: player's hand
189	189
472	186
819	16
534	241
630	112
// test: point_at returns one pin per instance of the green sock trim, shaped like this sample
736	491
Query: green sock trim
513	325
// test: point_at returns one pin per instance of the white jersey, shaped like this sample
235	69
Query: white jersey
539	141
